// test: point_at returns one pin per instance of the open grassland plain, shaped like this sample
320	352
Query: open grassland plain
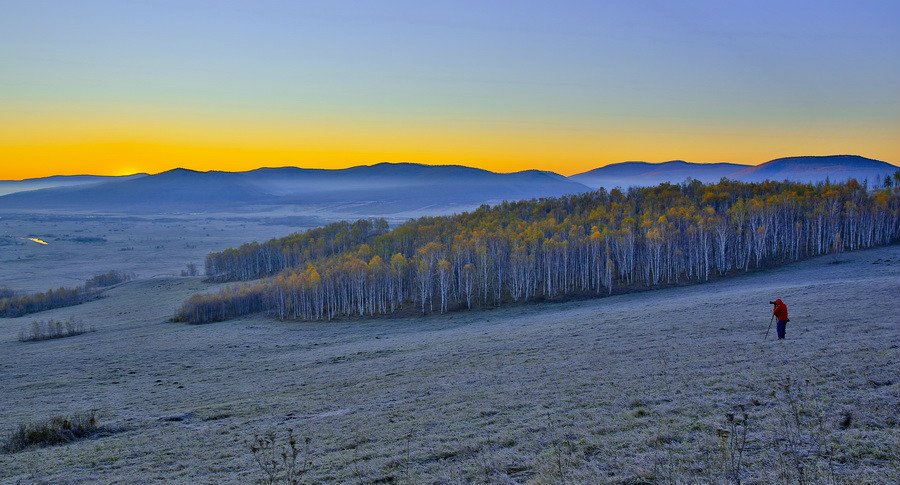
649	387
81	245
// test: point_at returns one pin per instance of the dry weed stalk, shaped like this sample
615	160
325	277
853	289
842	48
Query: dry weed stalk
280	463
803	439
734	442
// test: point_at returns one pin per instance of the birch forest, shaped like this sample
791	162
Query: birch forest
580	245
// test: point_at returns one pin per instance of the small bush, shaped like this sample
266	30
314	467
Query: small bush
54	431
106	279
51	329
190	270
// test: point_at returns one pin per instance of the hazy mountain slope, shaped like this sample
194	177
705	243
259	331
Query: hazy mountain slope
381	188
13	186
397	187
836	168
643	174
179	188
388	188
808	169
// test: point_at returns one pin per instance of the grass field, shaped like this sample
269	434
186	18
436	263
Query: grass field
624	389
82	245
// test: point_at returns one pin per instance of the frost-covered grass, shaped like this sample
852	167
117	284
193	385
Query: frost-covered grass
668	386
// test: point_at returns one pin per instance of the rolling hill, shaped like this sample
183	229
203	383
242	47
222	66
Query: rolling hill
811	169
836	168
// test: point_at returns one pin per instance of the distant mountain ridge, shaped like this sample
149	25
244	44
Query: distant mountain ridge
643	173
383	188
808	169
392	188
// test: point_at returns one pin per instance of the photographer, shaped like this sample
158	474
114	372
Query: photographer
781	313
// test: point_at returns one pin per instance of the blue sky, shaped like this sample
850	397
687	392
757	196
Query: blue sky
501	85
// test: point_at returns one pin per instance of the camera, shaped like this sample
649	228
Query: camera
771	303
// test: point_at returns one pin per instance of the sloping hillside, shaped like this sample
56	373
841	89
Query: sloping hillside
607	391
13	186
836	168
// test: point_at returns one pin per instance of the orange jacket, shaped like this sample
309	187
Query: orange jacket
780	311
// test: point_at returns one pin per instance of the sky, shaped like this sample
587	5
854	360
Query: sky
124	86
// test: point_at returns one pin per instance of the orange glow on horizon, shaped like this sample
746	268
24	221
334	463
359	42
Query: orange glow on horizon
111	147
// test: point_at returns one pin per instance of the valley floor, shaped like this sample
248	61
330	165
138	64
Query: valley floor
625	389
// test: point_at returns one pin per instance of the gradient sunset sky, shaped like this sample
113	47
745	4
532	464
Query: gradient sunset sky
115	87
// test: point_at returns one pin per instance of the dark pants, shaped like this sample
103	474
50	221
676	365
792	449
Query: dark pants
780	328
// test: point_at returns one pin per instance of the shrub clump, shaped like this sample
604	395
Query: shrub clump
51	329
12	305
106	279
54	431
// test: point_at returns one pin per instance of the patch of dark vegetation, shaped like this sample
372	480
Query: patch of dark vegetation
15	306
877	383
190	270
216	417
107	279
53	329
54	431
294	221
7	292
846	419
86	239
176	418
